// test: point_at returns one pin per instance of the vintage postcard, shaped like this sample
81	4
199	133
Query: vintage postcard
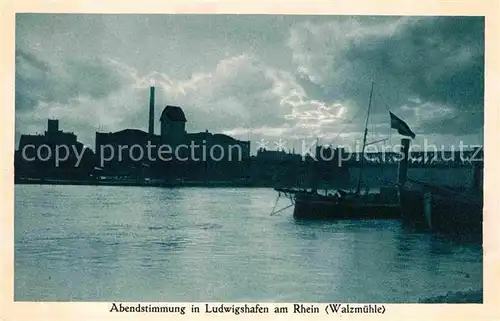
201	159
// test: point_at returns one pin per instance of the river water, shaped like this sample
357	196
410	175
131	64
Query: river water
107	243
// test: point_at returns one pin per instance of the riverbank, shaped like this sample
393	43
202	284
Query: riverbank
152	183
468	296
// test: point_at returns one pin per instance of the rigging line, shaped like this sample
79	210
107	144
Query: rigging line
283	209
372	121
390	138
386	107
383	101
275	204
348	123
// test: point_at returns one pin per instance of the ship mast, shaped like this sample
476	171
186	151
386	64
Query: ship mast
364	142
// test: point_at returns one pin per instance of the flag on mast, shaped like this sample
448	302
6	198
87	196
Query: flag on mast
401	126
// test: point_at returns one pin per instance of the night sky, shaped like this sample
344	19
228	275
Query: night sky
253	76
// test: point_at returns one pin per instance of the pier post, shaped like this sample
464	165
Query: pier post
476	172
428	208
403	163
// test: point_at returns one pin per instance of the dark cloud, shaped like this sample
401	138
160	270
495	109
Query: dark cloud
93	77
437	60
31	74
470	122
231	72
60	81
444	60
313	90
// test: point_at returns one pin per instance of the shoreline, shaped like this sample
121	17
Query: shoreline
465	296
145	184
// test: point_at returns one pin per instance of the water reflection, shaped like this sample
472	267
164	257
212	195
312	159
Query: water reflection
220	245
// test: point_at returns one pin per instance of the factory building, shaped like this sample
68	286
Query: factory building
54	154
174	154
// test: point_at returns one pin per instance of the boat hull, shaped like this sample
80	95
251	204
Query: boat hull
314	207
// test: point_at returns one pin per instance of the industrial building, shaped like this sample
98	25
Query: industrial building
174	153
36	156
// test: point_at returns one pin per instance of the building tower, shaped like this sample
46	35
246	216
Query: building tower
52	126
173	124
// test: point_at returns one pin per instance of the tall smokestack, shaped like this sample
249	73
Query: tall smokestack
151	111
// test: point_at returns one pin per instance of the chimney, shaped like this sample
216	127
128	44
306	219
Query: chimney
477	169
403	162
52	126
151	111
